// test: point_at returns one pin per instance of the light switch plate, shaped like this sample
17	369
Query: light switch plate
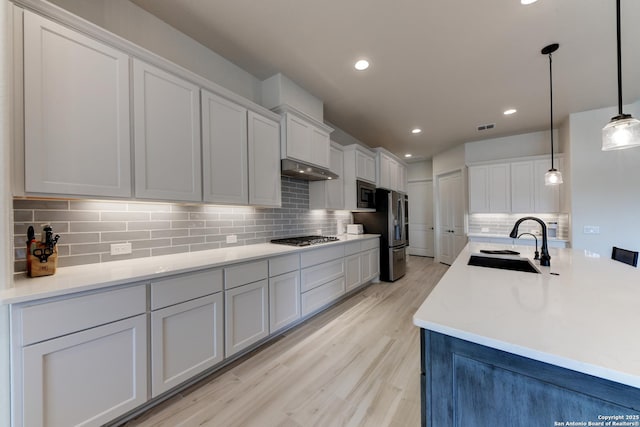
591	229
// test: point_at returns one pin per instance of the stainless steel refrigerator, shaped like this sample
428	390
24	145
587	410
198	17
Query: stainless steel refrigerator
389	221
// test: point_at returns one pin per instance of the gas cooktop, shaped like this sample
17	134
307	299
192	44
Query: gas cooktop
304	240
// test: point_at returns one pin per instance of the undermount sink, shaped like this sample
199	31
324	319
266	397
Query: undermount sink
515	263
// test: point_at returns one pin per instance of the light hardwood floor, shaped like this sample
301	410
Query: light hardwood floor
356	364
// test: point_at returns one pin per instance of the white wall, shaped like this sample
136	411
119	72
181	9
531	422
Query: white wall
418	171
140	27
5	207
527	144
605	186
450	160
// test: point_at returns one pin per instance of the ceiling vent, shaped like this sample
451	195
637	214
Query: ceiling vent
486	127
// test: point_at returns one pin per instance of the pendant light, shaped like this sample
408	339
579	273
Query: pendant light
623	131
553	176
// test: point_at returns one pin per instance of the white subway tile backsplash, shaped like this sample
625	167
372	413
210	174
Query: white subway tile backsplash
89	227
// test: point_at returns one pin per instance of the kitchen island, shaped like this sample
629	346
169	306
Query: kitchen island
504	347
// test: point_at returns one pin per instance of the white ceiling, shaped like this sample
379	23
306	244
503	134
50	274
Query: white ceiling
446	66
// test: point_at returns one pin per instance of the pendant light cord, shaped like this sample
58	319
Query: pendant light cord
551	109
619	38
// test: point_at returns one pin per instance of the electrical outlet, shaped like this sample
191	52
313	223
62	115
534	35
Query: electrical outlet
120	248
484	229
319	232
591	229
232	238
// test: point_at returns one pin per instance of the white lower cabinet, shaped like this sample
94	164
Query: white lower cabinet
322	296
246	316
86	378
361	268
370	264
353	272
186	339
284	300
79	360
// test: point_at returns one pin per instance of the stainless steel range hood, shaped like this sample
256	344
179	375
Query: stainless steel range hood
305	171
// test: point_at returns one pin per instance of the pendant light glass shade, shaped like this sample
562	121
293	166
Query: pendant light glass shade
623	131
552	177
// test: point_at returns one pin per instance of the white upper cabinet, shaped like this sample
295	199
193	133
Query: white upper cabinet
359	165
224	150
166	135
320	154
392	173
329	194
514	187
522	187
304	138
264	160
490	188
76	108
365	166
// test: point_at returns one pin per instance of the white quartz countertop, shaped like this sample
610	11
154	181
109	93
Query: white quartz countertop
585	318
69	280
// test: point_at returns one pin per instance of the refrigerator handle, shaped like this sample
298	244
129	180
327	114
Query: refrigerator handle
400	212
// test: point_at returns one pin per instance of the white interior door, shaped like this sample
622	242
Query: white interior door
450	230
421	218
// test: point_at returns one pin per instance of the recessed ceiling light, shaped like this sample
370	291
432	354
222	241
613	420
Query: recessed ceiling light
510	111
528	1
407	155
416	130
362	64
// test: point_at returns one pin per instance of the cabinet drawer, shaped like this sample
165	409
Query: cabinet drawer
370	244
245	273
177	289
53	319
319	256
313	277
283	264
322	295
352	248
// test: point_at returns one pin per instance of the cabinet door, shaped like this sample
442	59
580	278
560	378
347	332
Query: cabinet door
522	187
499	188
264	161
335	187
186	339
384	171
354	270
246	316
76	107
320	147
365	167
224	150
393	175
284	300
402	178
86	378
167	135
547	197
298	138
478	189
370	264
